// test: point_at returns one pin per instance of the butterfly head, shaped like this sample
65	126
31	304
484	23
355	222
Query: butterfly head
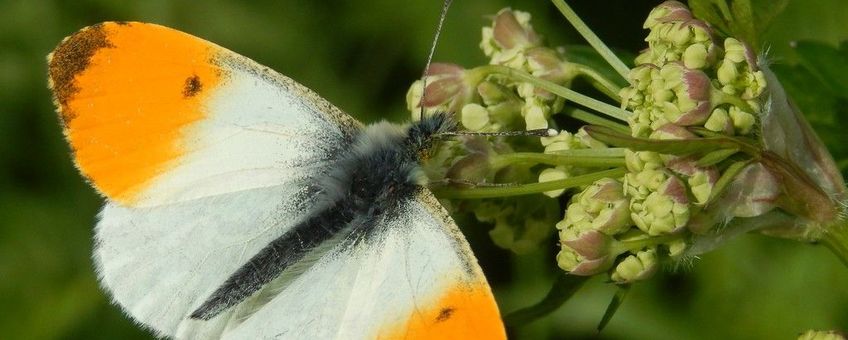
422	134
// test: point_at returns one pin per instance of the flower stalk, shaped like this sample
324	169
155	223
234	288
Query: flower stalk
592	38
564	92
524	189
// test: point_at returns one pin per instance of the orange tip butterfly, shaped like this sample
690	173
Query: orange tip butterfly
240	204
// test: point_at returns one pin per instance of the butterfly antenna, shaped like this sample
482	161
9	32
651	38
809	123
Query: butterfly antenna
445	7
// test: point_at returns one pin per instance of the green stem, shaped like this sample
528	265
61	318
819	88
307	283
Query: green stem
635	245
836	239
532	158
605	152
597	80
568	94
526	189
592	39
594	119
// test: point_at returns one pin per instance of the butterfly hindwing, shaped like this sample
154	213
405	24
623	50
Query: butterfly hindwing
414	278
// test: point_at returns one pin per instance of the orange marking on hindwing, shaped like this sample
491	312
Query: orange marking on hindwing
126	92
463	311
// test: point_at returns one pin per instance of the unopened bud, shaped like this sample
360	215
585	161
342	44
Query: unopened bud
636	267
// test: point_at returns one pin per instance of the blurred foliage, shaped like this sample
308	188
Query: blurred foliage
362	56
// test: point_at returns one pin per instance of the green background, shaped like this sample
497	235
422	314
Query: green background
362	56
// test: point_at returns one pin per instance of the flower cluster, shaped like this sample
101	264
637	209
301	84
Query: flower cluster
710	139
685	80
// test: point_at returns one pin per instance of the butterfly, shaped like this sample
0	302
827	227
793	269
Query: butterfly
240	204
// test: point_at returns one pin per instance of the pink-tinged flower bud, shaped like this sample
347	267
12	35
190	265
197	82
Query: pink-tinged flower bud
753	192
472	168
590	244
692	91
511	29
447	89
700	179
547	64
672	132
602	207
586	253
669	11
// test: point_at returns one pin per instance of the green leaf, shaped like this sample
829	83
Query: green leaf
817	85
829	65
616	302
745	20
563	288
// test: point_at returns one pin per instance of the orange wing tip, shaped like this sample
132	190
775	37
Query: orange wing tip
125	93
463	311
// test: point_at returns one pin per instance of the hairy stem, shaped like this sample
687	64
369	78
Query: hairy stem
836	239
568	94
526	189
592	38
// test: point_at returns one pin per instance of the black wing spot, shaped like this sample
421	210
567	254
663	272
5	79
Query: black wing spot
445	314
192	86
71	57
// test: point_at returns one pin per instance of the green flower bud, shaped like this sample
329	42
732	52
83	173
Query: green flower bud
695	56
563	141
553	174
662	211
413	97
677	247
727	73
643	160
474	117
743	121
734	50
535	114
720	121
493	94
636	267
587	141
